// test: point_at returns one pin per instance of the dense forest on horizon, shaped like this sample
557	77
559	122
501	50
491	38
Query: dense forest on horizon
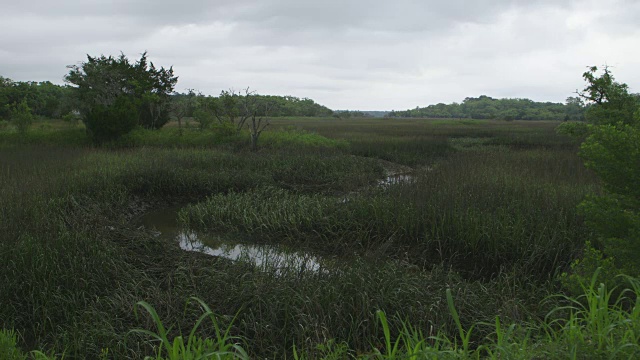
486	107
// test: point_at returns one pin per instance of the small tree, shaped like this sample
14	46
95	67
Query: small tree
256	112
183	105
231	108
21	116
203	118
203	112
102	81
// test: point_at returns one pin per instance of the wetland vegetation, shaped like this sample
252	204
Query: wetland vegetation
493	219
462	255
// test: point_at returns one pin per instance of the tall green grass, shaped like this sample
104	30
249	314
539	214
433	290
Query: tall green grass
221	346
590	326
478	212
491	223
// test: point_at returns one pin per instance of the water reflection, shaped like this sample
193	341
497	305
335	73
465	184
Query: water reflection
262	256
164	224
396	179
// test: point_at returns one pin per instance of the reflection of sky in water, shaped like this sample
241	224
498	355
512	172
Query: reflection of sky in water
263	256
396	179
164	221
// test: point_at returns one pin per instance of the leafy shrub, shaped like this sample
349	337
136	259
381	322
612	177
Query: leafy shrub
203	118
582	271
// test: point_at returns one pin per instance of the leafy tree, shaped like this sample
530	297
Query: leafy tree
612	151
228	107
231	107
611	102
235	110
153	86
256	112
204	118
203	112
574	108
43	98
101	82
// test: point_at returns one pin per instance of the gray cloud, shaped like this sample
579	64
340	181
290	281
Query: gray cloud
344	54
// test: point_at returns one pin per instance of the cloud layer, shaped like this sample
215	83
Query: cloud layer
369	55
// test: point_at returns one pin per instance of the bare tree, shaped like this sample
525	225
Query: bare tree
256	112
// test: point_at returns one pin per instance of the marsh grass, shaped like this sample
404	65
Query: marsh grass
592	325
46	137
9	346
51	134
477	212
492	223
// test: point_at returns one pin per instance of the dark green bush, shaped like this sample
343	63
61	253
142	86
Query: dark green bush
110	122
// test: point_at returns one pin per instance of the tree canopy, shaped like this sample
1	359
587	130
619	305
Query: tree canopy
100	82
43	98
485	107
612	150
283	105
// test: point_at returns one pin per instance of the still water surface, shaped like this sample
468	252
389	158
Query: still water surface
164	222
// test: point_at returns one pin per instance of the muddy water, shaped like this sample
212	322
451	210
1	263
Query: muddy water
164	223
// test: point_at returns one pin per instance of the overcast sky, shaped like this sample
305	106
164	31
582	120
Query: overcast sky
367	55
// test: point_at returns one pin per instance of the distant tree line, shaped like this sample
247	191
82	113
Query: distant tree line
277	106
349	114
43	98
485	107
293	106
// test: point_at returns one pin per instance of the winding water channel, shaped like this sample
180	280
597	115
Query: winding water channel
164	223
